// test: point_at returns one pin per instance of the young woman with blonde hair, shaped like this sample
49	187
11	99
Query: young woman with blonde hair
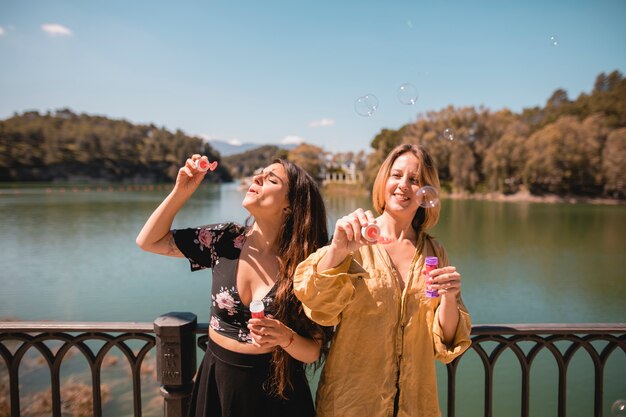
388	331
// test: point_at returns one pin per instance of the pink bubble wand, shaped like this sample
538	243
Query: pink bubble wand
371	233
204	165
429	198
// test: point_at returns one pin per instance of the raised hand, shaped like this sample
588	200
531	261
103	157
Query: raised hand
347	238
189	176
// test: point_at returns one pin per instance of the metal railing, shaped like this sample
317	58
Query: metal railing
544	336
174	336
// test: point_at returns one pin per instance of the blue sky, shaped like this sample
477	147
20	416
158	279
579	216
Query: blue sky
276	71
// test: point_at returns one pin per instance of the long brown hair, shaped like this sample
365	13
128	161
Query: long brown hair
302	233
424	218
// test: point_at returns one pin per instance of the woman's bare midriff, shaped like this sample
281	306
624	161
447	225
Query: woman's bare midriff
235	346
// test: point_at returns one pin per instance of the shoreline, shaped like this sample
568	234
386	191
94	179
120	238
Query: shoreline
527	197
522	196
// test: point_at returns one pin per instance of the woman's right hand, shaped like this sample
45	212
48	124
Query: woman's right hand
347	236
189	177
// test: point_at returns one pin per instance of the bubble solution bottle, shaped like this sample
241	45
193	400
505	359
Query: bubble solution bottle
431	263
257	309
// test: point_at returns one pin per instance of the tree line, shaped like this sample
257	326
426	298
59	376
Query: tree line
568	147
64	145
245	164
311	158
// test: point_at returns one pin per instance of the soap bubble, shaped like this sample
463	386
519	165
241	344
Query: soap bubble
554	40
429	196
366	105
619	408
448	134
407	94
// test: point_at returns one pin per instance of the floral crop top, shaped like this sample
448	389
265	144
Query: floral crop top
218	246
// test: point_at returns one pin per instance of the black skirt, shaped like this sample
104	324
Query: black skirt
231	384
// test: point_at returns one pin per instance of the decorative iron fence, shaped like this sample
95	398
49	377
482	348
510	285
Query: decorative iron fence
174	335
544	336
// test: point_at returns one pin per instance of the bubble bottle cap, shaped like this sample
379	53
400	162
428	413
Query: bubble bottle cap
432	261
256	308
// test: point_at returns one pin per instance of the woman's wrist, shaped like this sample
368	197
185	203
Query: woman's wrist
332	258
336	251
181	191
449	299
291	339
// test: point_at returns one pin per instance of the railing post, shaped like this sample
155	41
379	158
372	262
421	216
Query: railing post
176	360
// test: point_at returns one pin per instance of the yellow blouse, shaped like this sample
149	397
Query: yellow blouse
384	337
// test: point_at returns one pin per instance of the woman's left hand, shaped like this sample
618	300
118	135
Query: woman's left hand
268	332
446	280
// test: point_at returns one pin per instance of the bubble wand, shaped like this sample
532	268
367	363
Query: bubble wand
204	165
429	198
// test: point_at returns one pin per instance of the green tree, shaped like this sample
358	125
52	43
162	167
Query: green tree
504	160
564	157
246	163
63	145
308	157
463	168
614	163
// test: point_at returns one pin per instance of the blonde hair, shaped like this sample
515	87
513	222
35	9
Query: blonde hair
424	218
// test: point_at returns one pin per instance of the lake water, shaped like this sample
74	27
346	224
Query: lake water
69	253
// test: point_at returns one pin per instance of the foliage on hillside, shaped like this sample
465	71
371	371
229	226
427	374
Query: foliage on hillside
67	146
566	148
246	163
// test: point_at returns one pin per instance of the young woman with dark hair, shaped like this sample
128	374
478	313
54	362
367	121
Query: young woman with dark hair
253	366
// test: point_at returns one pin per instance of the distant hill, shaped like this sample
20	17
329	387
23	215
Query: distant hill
228	149
67	146
244	164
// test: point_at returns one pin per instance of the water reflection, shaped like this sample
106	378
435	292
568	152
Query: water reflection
521	262
72	256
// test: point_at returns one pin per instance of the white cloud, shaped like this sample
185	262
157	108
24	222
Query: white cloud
288	140
234	142
2	31
54	29
322	123
206	137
